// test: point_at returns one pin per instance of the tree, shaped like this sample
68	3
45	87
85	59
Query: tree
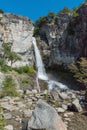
50	16
13	57
74	12
9	54
1	11
64	10
79	71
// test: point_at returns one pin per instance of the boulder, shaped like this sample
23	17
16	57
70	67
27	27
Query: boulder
54	94
9	127
75	106
45	117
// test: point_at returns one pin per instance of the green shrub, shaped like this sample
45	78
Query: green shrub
2	121
8	88
24	69
64	10
1	11
25	82
9	54
74	12
45	19
3	66
36	31
79	70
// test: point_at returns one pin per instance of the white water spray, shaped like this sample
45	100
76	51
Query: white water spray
41	73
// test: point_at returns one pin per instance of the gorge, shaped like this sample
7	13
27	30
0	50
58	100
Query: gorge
29	52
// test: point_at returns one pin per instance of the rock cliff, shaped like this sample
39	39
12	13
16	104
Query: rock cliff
64	40
17	31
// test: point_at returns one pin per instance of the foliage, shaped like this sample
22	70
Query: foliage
13	57
24	69
1	11
8	88
45	19
50	17
36	31
25	82
2	121
79	70
74	12
64	10
40	21
8	54
3	66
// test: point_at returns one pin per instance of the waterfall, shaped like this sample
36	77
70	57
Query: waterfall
41	73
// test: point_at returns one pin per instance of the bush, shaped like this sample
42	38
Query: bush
9	54
74	12
24	69
3	66
2	121
64	10
1	11
8	88
79	71
25	82
45	19
36	31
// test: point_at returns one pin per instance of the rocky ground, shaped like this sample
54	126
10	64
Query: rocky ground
65	103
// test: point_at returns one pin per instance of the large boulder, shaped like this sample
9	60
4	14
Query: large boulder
45	117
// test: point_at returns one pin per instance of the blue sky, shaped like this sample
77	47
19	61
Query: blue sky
36	8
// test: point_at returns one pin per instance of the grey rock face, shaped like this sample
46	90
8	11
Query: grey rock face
18	31
65	38
54	36
45	117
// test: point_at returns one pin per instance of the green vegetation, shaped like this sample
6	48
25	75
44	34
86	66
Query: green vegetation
9	54
3	66
1	11
64	10
2	121
8	88
24	69
74	12
25	82
49	18
79	71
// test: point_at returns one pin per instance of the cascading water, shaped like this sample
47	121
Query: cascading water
39	63
41	73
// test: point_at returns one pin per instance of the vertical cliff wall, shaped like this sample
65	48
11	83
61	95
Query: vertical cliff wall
64	40
17	31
